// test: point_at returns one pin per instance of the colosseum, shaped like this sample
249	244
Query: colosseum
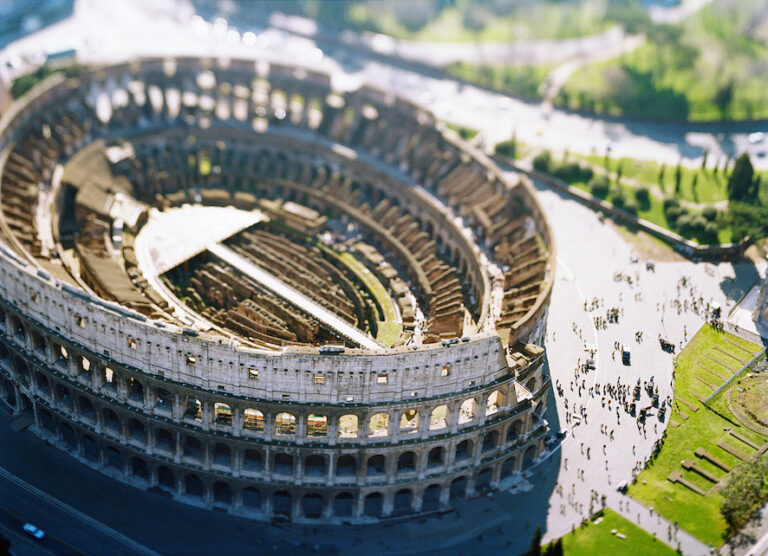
235	283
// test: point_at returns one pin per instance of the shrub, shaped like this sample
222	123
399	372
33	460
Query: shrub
630	205
572	171
617	196
542	162
598	185
710	213
711	229
670	202
506	148
642	194
673	213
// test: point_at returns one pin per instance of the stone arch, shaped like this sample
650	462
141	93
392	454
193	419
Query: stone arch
378	425
164	403
402	503
312	505
464	451
436	457
252	461
43	385
193	486
18	330
111	422
46	421
222	414
281	503
89	449
514	431
135	391
165	441
467	411
68	436
373	504
490	441
222	493
166	478
22	370
139	468
343	504
508	467
39	343
137	432
285	424
222	455
484	478
192	448
251	498
458	489
439	418
317	425
406	462
253	420
529	456
86	410
346	466
494	402
409	421
283	464
113	458
430	499
314	466
64	398
348	426
376	465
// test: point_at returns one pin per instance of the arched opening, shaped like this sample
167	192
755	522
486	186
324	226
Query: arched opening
64	399
113	458
165	441
164	402
84	369
18	330
374	504
436	457
430	500
285	424
108	380
253	420
343	505
403	502
283	464
251	498
514	431
193	486
43	386
135	391
192	449
346	466
439	418
61	356
458	488
38	343
68	437
494	402
467	411
313	505
484	478
166	479
531	385
86	410
409	422
222	455
529	456
222	493
47	422
406	462
281	503
139	468
508	467
317	425
194	410
22	370
222	414
252	461
88	448
314	466
490	441
376	465
464	451
378	426
111	422
348	426
136	431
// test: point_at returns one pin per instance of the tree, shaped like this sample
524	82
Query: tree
678	178
535	548
554	548
542	161
723	97
704	160
741	183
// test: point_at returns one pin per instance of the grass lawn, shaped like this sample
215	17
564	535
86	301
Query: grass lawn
520	81
705	427
389	328
593	538
466	133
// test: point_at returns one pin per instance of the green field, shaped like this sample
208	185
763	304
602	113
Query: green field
596	538
710	67
389	328
519	81
691	426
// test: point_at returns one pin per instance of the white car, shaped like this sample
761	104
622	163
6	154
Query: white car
33	531
756	137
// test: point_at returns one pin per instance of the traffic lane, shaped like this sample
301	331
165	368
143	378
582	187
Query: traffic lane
64	533
21	543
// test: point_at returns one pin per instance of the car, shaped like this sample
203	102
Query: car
625	357
33	531
756	137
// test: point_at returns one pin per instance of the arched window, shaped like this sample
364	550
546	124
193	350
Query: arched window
348	426
285	424
317	425
379	425
439	419
409	422
253	420
222	414
494	403
467	411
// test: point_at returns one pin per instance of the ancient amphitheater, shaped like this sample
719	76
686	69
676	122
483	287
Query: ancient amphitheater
230	282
